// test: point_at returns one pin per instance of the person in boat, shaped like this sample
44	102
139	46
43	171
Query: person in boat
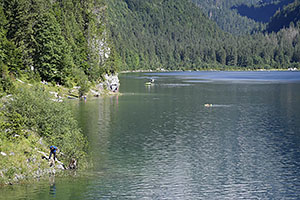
53	150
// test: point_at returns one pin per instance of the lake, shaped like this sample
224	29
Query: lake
162	141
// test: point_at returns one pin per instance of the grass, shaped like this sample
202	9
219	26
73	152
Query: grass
26	117
22	160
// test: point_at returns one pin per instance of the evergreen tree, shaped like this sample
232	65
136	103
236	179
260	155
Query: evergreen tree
52	58
10	57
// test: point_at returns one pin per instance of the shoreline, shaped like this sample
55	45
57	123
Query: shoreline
62	93
24	145
211	70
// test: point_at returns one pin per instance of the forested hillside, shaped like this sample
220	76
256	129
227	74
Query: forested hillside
162	34
73	42
177	35
57	41
227	18
289	16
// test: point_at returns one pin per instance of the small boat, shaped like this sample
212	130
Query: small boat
150	82
208	105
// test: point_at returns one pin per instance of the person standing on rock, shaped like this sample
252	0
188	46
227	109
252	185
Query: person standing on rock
53	150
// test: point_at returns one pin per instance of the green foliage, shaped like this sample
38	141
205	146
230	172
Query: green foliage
32	110
10	172
176	35
160	34
84	87
10	58
51	56
51	39
58	41
68	41
6	83
22	157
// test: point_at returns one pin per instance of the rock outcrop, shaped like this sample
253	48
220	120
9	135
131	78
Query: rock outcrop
111	83
73	164
56	164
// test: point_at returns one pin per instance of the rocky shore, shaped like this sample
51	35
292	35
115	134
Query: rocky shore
24	155
21	164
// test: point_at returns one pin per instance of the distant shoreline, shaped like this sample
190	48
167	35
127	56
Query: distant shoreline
237	70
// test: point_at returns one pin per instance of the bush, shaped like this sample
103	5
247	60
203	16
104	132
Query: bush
84	87
6	83
32	110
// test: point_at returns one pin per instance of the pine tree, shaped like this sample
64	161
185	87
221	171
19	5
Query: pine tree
52	59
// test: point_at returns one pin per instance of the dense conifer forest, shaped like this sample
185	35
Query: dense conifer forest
178	35
73	42
57	41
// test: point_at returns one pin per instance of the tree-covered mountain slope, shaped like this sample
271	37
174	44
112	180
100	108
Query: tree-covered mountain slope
284	18
73	42
174	34
227	18
160	34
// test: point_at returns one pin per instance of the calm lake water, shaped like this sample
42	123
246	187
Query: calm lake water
161	142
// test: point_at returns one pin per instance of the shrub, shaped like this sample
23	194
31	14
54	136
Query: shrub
32	110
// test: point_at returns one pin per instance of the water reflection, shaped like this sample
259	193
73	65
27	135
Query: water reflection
163	143
52	190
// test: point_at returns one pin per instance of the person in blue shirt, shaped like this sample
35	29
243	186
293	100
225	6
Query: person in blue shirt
53	150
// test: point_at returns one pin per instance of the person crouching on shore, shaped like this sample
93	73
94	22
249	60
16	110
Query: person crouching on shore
53	150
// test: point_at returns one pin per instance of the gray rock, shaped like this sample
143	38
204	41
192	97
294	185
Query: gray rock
73	164
60	165
18	177
43	154
112	82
